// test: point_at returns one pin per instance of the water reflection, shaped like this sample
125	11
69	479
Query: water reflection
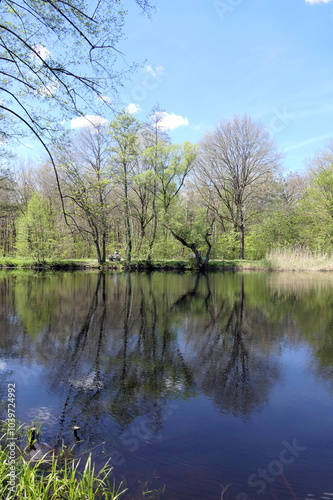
231	351
116	354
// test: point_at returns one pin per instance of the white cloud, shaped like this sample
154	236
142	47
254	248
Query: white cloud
170	121
88	121
312	2
42	51
153	72
133	108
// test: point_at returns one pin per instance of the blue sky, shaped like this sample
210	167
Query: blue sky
204	61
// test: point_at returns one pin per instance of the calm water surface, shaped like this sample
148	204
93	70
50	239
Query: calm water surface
189	383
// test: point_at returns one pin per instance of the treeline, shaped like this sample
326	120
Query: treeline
125	186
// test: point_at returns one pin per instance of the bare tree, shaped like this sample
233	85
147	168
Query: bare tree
234	165
323	159
83	171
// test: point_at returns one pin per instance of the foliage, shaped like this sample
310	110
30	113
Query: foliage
8	210
124	155
127	187
228	245
53	476
57	57
170	165
58	60
35	235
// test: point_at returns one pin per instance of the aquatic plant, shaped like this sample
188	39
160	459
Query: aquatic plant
52	475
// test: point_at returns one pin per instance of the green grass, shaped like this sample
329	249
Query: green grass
136	264
242	264
278	260
52	476
15	262
19	262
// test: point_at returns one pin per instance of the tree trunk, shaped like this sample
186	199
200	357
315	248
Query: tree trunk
242	237
104	247
209	245
242	243
200	264
98	250
152	240
127	218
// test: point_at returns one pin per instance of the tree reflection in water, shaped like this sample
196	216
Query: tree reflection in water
117	351
122	345
224	355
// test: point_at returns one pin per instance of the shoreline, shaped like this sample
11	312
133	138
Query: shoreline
263	265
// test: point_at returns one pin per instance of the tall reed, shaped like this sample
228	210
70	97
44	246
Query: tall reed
299	259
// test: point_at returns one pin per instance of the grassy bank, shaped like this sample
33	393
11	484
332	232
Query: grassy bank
25	263
27	471
136	265
278	260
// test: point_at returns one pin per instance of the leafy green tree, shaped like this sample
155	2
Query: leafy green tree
143	210
281	218
315	221
171	169
192	227
8	211
170	166
125	153
153	135
314	214
35	230
324	183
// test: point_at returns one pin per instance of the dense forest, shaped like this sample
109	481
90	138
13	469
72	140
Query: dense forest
125	186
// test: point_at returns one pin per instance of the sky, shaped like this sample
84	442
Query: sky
203	61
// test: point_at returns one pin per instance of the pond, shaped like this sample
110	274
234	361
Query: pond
191	384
